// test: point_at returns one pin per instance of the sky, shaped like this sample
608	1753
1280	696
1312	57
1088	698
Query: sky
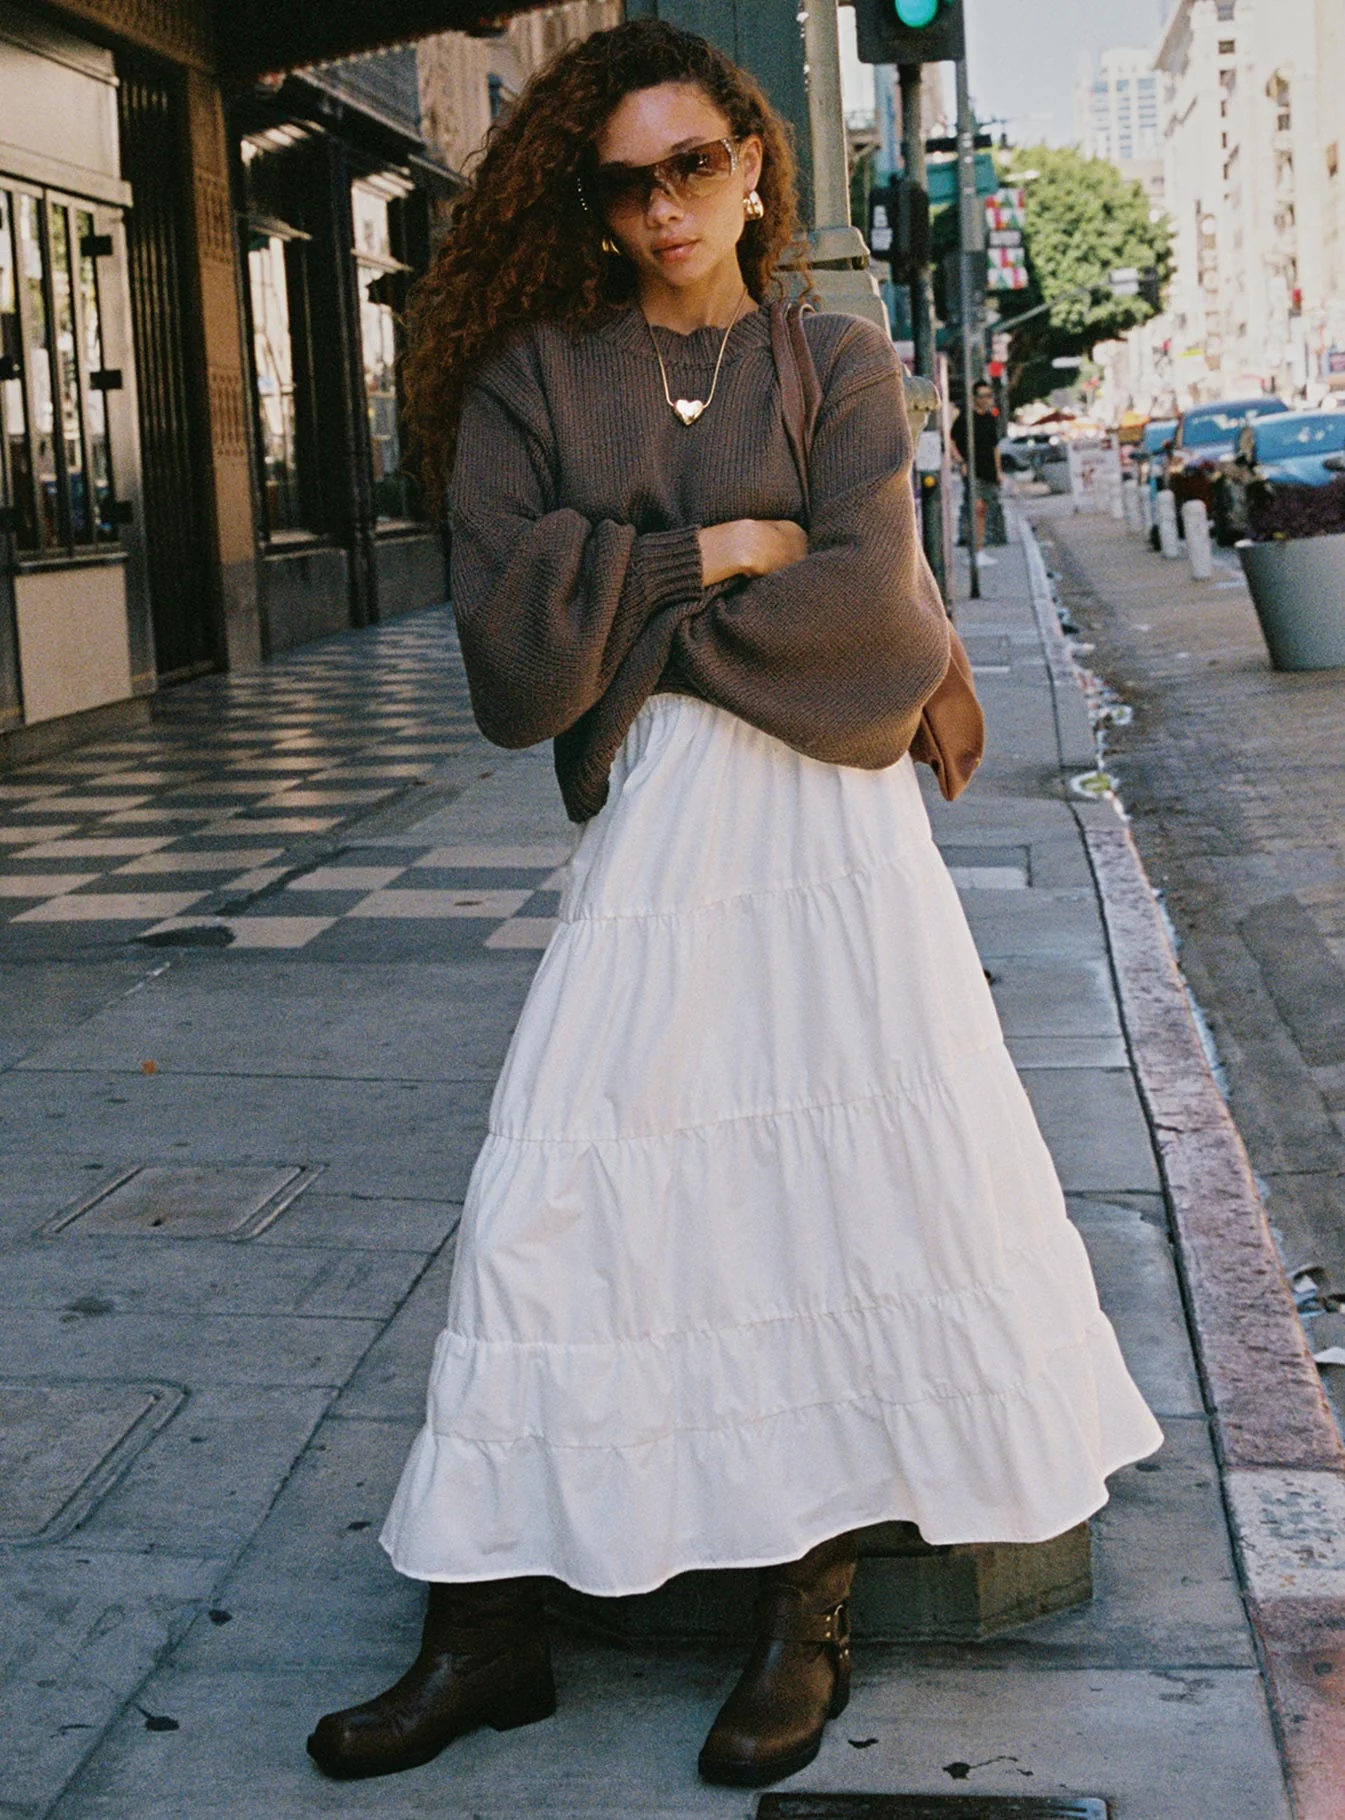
1023	58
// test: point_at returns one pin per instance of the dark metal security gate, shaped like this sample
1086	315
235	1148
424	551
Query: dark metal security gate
173	444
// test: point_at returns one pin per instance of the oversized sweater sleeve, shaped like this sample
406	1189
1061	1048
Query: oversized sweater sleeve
547	602
837	654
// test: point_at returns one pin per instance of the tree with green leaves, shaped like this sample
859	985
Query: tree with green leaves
1084	221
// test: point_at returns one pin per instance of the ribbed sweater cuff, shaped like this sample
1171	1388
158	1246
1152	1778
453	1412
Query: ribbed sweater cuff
670	566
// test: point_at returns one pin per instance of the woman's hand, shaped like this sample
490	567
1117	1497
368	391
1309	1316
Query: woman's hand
750	546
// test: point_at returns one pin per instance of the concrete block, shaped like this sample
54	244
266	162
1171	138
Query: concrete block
37	1002
401	1138
145	1279
315	1589
358	1021
208	1480
1043	923
516	800
1165	1589
1095	1127
1060	860
81	1633
1136	1276
389	1385
630	1723
63	1444
1048	996
1068	1051
905	1590
370	1222
34	1187
182	1349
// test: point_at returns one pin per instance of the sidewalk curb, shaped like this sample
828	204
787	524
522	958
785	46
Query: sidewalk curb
1280	1453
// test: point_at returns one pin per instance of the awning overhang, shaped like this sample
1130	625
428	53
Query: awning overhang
257	38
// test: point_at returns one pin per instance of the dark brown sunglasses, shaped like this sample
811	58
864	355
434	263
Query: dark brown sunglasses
623	188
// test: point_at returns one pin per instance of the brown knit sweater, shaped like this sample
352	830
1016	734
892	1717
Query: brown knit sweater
575	502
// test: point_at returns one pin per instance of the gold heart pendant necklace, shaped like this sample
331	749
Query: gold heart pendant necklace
689	409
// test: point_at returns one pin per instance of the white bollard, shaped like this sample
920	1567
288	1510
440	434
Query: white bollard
1196	524
1130	501
1168	540
1146	509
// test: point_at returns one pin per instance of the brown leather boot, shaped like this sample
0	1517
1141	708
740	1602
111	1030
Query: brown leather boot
797	1676
484	1660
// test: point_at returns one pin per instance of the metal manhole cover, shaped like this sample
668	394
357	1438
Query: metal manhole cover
63	1446
188	1201
930	1807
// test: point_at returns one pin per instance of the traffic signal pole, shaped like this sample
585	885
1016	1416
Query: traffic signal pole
972	218
932	502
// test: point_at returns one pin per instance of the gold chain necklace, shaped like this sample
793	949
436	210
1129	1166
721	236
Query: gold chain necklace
689	409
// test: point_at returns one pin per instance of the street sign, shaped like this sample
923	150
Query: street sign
1125	281
1005	220
941	175
899	227
1067	362
999	346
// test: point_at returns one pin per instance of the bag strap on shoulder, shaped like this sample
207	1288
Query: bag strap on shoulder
800	388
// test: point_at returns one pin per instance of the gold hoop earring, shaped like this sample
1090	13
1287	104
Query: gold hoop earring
753	207
610	247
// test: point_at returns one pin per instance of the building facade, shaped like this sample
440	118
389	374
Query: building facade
1118	115
1253	149
208	226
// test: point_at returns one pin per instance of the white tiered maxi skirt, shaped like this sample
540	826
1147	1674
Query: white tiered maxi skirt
763	1243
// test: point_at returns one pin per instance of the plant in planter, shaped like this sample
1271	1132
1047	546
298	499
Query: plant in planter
1294	562
1277	512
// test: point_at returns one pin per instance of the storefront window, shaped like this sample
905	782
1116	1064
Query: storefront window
54	407
67	367
379	275
16	475
42	441
273	355
95	401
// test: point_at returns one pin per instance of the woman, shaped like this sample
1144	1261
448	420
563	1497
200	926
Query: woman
763	1244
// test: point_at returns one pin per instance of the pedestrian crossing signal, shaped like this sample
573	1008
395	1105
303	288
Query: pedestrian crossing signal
909	31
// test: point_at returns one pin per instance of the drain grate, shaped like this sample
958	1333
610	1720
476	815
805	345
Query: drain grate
63	1446
930	1807
185	1201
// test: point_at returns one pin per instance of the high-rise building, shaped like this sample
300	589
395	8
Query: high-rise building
1255	131
1119	114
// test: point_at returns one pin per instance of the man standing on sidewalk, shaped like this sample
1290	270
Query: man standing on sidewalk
985	439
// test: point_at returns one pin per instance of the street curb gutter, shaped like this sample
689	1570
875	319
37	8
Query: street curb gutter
1280	1453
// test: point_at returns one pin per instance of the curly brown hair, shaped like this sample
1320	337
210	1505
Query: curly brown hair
521	246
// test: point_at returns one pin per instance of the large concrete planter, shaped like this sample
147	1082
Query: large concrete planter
1298	590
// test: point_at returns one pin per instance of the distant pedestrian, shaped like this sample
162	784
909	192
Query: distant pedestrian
763	1244
985	482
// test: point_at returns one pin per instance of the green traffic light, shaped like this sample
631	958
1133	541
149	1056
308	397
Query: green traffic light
916	13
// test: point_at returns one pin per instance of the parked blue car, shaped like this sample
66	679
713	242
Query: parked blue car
1155	438
1293	450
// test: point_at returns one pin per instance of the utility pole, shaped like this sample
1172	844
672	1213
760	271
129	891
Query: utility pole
972	219
932	502
838	254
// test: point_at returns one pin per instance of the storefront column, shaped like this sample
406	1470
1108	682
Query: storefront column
224	395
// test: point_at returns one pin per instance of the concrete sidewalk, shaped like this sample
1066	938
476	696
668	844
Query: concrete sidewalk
215	1423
